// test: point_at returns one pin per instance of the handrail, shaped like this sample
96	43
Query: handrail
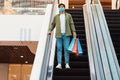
94	59
89	41
39	70
107	45
101	46
47	53
92	1
96	51
99	9
45	59
117	4
96	71
106	64
109	40
51	59
52	53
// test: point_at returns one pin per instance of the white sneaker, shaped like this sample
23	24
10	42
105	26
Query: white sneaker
67	66
59	66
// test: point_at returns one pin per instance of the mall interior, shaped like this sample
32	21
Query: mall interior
27	52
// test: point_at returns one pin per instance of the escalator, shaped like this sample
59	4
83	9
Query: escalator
79	65
113	20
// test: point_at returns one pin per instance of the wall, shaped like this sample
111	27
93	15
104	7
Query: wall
114	4
66	2
20	27
19	72
3	71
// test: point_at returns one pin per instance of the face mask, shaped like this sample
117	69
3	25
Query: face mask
61	9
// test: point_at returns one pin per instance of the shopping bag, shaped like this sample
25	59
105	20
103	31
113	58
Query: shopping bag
80	51
71	45
75	48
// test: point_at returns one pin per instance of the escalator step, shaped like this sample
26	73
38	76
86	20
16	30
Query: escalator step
76	64
79	65
71	78
74	58
71	72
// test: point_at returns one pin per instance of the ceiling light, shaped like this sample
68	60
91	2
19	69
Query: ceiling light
26	62
73	7
21	56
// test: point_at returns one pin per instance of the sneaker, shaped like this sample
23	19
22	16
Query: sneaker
67	66
59	66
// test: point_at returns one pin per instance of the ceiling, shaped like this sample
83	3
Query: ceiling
16	55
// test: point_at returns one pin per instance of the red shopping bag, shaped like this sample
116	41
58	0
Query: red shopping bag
75	48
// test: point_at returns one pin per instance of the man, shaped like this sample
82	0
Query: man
64	29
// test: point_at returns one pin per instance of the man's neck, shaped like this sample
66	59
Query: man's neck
62	12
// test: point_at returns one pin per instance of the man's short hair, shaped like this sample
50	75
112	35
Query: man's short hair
61	4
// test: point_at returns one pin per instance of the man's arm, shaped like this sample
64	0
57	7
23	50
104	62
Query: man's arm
52	25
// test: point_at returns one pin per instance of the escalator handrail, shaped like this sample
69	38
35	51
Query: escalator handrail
88	23
106	50
39	69
112	58
47	52
100	44
89	46
95	48
51	59
110	40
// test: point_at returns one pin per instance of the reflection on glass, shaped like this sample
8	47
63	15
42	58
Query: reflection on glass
19	72
1	3
29	11
25	7
14	72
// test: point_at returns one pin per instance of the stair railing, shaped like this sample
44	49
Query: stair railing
117	4
115	68
100	48
89	43
41	61
52	47
93	49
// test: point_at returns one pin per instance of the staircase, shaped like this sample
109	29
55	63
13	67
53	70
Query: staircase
113	20
79	65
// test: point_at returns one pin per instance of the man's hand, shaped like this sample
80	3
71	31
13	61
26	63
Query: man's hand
49	33
74	35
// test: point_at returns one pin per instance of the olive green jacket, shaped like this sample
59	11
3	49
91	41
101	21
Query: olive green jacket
70	28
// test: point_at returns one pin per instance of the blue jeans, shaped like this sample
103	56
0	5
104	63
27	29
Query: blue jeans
63	41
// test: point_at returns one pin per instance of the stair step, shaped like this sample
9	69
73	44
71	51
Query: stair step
113	22
82	58
77	15
76	64
74	11
71	72
79	64
110	24
71	78
79	58
113	18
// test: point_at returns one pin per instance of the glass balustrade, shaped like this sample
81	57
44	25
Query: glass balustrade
23	7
